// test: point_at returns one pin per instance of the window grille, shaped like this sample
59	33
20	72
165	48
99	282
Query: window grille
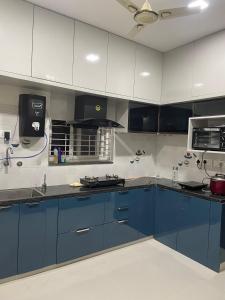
81	145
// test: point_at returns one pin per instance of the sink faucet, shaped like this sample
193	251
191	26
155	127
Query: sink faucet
44	185
9	151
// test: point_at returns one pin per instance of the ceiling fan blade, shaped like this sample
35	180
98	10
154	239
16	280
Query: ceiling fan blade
172	13
135	30
129	5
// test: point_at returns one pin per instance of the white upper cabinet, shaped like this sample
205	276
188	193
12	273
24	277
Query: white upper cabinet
90	57
16	21
148	75
53	39
121	66
177	74
209	66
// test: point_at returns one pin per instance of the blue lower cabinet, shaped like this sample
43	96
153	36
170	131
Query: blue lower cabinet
80	212
80	242
145	212
37	235
193	231
216	249
9	219
120	205
118	233
166	217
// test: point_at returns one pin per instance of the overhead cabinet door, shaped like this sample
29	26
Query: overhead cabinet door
121	66
52	46
16	22
148	74
177	74
90	57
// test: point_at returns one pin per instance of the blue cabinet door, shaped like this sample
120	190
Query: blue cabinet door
37	235
120	205
81	212
145	212
118	233
166	217
9	219
120	218
193	233
216	249
80	242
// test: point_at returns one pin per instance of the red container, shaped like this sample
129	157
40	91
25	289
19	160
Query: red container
217	184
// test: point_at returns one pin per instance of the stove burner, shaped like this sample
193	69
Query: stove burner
107	180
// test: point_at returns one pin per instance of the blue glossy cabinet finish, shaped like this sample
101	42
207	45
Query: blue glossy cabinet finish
9	218
145	212
118	233
216	250
79	243
120	218
37	235
193	229
120	205
166	217
81	212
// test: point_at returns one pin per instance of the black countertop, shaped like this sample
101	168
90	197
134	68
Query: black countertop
61	191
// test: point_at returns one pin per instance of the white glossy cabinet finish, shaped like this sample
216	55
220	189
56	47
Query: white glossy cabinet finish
16	22
148	75
209	66
177	74
121	66
90	57
52	46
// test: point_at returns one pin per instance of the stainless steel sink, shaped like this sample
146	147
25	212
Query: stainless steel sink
19	194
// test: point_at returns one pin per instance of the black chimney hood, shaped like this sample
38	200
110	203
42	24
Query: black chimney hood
90	112
95	123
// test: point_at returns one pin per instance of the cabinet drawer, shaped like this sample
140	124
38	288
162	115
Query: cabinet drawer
118	233
119	206
80	242
81	212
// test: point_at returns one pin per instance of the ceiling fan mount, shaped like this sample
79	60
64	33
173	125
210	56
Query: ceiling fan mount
146	15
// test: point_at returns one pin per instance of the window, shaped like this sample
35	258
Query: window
81	145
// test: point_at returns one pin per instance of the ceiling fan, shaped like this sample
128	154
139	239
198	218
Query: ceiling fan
146	15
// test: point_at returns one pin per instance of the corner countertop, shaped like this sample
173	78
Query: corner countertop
62	191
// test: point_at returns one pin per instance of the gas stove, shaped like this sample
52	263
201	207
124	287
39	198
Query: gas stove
107	180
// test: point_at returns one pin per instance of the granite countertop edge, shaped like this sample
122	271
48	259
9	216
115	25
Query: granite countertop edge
64	191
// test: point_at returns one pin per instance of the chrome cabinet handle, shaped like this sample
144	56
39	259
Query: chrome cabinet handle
84	230
34	204
123	222
125	208
83	198
5	207
123	192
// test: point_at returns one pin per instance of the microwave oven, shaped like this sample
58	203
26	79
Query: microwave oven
209	138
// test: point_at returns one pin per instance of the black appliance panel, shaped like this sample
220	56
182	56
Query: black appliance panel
211	107
143	117
90	107
174	118
32	110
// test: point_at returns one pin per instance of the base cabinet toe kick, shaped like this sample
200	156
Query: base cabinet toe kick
35	236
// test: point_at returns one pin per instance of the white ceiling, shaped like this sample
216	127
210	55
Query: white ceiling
164	36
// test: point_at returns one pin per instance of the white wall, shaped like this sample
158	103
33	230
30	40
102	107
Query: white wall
59	107
171	150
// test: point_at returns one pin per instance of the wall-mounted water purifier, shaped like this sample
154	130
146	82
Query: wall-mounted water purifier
32	109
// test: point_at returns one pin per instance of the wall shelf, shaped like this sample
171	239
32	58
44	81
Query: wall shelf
201	122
